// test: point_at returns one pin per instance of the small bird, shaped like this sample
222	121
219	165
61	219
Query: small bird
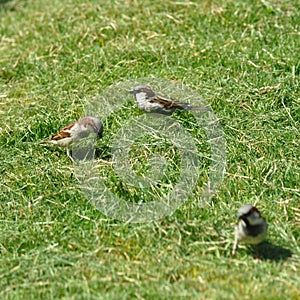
251	228
148	101
75	131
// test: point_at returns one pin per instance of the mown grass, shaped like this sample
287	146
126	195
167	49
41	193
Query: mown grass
55	56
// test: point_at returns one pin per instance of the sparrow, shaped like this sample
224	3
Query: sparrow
149	101
251	228
75	131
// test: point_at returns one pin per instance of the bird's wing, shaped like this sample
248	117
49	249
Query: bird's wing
64	133
167	102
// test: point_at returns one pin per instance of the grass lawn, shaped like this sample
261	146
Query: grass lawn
56	56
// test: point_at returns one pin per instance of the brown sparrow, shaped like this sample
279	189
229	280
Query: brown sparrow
251	228
76	131
148	101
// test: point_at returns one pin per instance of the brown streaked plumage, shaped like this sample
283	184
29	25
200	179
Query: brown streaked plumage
76	131
148	101
65	132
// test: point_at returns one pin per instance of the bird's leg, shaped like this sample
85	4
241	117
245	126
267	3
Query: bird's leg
70	156
256	255
235	245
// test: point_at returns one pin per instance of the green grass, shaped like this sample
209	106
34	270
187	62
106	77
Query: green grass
57	55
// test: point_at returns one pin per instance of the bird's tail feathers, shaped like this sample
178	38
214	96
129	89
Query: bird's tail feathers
45	141
202	108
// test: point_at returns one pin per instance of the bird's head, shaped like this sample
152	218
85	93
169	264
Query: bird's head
250	215
142	89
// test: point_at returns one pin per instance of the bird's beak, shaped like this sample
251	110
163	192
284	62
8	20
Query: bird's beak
131	91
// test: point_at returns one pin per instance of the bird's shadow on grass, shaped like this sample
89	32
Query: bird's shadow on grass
104	152
80	154
269	251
